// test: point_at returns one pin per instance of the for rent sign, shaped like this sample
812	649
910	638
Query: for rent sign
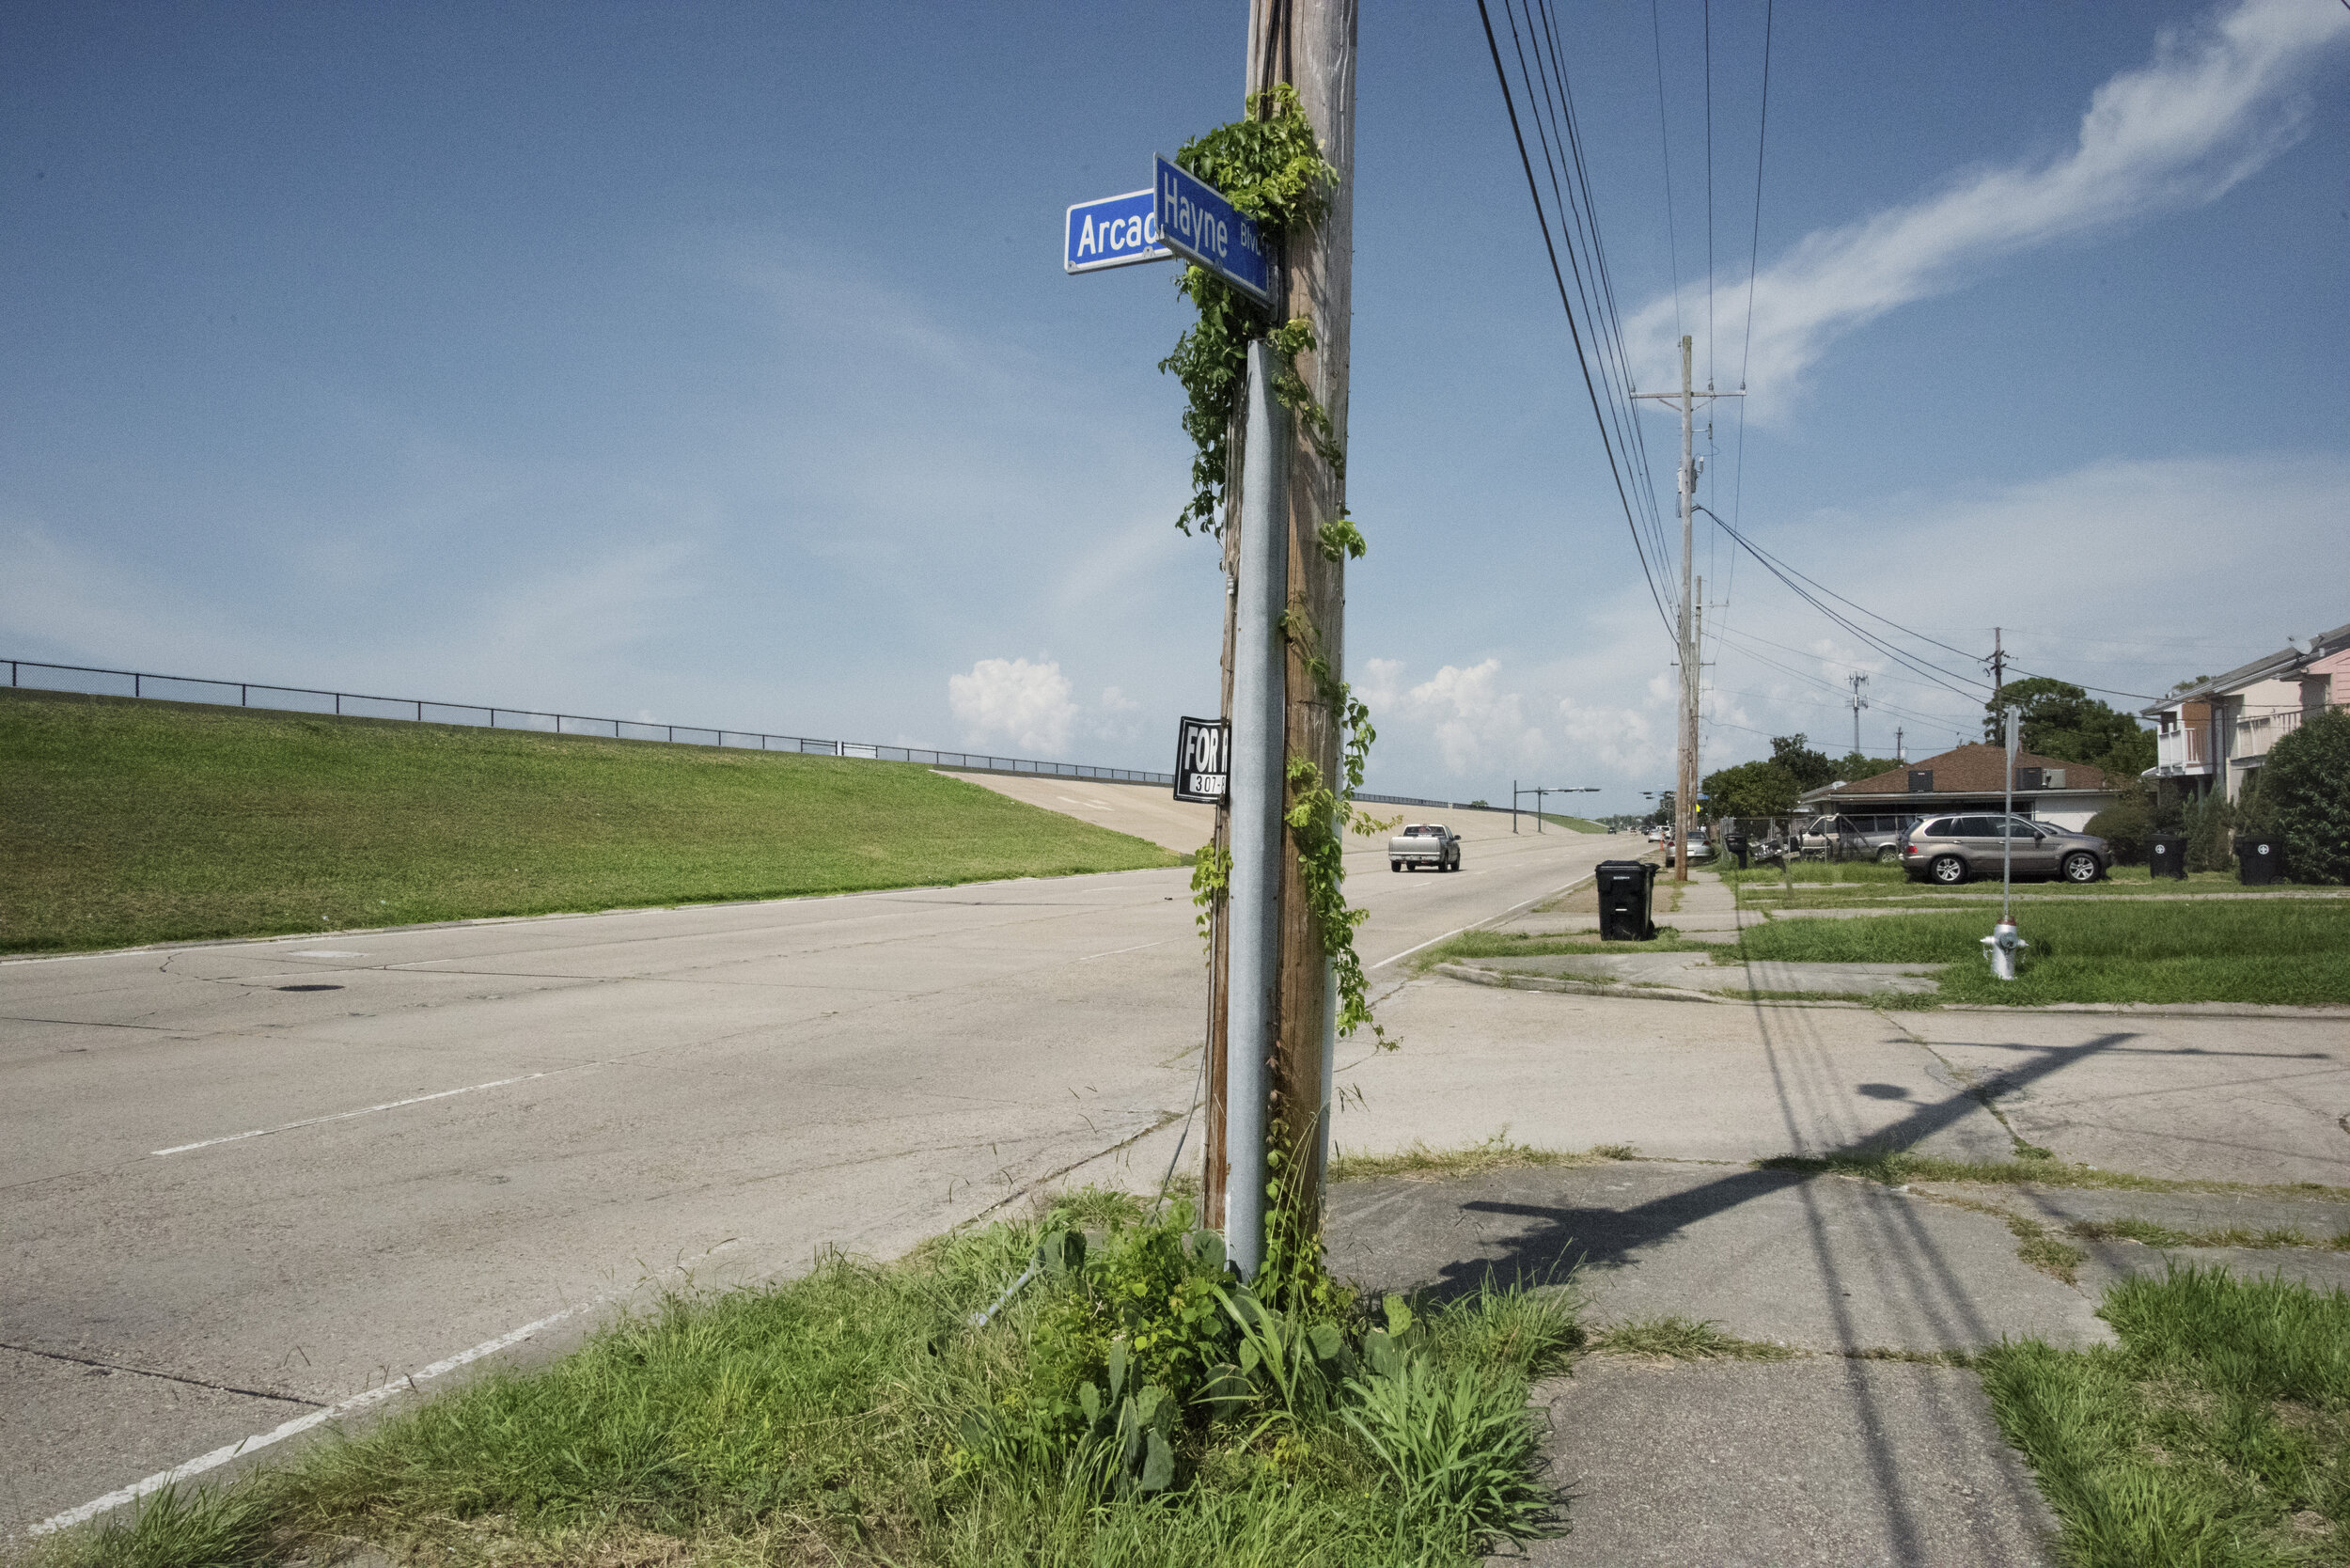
1202	761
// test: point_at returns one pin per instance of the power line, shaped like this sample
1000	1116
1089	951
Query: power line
1573	332
1754	257
1599	251
1708	10
1789	575
1663	138
1812	653
1593	279
1936	719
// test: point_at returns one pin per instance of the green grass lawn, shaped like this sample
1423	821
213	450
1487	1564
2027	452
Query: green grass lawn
859	1416
1473	945
125	822
2216	1434
1819	885
2224	950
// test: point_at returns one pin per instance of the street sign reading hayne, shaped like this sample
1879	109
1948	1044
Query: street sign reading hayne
1196	221
1180	215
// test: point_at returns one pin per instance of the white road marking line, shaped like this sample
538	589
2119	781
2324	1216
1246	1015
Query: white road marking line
1473	925
220	1456
1136	948
345	1116
323	952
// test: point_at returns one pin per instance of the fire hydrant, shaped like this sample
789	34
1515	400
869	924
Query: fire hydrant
2003	945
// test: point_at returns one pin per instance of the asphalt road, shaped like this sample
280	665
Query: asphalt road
243	1185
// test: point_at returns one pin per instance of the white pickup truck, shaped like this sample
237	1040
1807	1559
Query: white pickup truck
1425	844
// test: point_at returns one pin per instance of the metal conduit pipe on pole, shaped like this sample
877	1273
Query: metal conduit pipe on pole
1259	658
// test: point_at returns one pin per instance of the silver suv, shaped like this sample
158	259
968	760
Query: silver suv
1950	850
1840	836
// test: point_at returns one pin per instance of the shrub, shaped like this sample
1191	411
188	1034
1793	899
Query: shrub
2304	793
2126	824
2207	823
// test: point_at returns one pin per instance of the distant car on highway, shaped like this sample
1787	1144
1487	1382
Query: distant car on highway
1425	844
1950	850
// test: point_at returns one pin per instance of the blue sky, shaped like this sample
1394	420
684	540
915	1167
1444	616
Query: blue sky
714	363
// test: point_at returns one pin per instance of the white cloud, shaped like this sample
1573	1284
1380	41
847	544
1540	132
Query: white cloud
2125	575
1475	725
1025	706
1617	740
2217	103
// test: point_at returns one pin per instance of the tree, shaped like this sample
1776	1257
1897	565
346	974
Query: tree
1856	764
1751	790
1811	768
2303	797
2064	721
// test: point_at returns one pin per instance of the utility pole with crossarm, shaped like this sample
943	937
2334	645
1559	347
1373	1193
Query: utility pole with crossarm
1686	791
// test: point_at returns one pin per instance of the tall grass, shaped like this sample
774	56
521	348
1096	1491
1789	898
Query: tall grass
2216	1434
827	1419
126	821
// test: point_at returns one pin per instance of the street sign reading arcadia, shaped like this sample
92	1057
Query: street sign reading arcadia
1200	225
1203	761
1115	231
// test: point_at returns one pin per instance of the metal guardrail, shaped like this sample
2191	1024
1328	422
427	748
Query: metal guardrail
181	688
186	688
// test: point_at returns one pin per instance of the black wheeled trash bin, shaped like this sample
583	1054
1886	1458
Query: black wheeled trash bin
1623	901
1736	844
2259	860
2165	855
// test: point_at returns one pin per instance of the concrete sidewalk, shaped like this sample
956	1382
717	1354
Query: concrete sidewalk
1856	1433
2232	1099
1867	1445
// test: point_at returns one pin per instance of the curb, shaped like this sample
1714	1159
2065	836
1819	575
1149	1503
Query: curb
1675	993
1505	981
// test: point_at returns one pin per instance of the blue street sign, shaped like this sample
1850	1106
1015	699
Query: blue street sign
1200	224
1115	231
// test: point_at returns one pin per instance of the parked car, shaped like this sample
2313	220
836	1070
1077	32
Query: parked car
1950	850
1425	844
1840	836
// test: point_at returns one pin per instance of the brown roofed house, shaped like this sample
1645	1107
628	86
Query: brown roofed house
1969	778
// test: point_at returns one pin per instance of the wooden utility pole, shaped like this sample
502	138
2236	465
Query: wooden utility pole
1685	772
1308	44
1686	777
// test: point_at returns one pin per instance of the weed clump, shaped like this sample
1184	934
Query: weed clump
1137	1402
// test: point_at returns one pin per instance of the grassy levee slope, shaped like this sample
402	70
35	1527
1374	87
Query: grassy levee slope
125	822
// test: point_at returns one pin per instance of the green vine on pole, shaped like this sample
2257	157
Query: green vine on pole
1318	817
1269	165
